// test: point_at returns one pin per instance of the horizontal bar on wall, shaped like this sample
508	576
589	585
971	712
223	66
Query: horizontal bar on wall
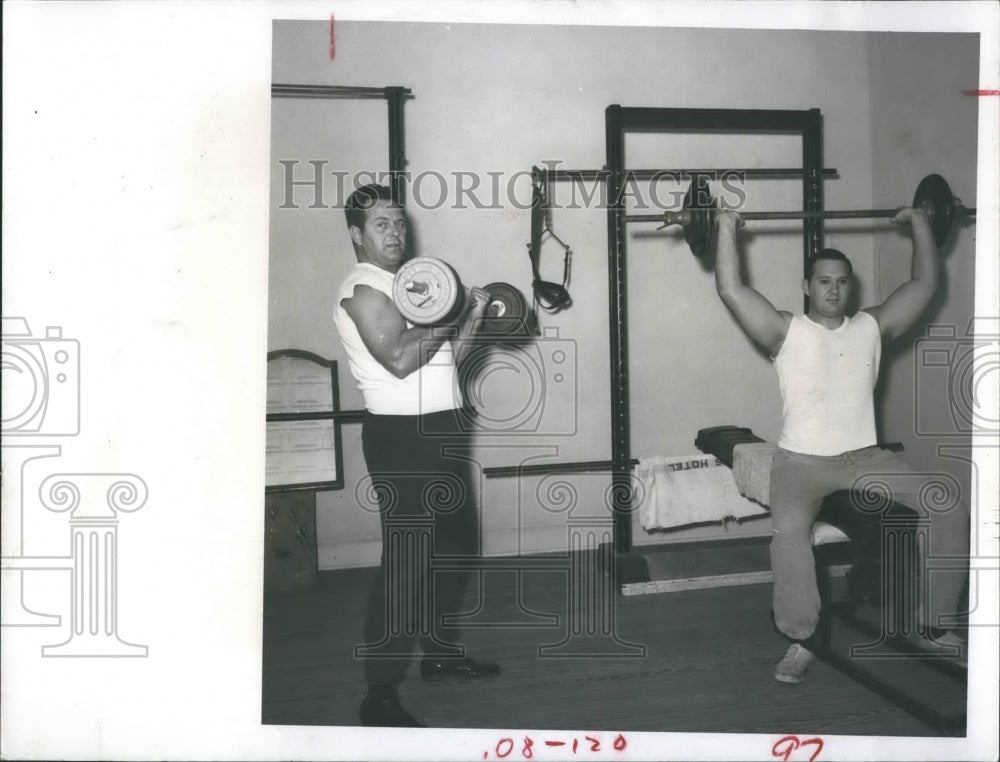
713	120
553	468
533	562
652	174
331	91
344	416
327	486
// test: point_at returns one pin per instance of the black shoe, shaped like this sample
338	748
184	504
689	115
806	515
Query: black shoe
433	668
383	710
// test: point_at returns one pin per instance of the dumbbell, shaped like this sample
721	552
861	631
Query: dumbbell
427	291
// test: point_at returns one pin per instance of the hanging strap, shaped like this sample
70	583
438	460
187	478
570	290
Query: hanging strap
550	296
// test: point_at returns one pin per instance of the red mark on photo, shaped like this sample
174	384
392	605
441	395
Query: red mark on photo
506	747
784	747
981	93
333	39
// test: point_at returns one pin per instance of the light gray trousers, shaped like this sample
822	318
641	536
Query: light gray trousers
799	483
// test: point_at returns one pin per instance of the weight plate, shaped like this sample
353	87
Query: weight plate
699	205
692	233
934	195
426	290
506	312
706	216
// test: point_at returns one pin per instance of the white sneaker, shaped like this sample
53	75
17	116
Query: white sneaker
950	644
792	668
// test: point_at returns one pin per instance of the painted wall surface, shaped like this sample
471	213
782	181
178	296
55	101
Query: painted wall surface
921	124
501	99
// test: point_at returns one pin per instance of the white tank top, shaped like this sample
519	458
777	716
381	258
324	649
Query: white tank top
827	379
430	389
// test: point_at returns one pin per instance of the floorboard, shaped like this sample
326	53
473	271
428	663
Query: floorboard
692	661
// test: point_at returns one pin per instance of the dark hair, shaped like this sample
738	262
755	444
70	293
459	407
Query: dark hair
835	254
363	199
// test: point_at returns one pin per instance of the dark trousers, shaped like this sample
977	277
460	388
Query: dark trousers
422	476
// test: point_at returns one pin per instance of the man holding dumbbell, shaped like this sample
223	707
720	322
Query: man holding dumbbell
827	364
416	449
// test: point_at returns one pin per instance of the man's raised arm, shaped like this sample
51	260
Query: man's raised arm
901	310
755	314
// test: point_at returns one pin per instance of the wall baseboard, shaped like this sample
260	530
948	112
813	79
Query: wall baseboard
502	541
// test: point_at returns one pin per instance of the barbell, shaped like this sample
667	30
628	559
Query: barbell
427	291
697	216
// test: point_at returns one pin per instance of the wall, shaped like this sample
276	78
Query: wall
499	100
921	124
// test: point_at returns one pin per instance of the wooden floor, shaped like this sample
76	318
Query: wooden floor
695	661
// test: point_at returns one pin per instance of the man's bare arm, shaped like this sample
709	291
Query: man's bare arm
399	349
904	306
764	324
402	350
476	301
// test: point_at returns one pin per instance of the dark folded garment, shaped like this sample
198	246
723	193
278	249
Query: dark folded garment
720	441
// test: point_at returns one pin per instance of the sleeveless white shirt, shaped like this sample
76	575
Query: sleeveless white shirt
827	379
430	389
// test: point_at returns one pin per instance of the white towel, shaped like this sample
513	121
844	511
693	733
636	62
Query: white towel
752	470
674	491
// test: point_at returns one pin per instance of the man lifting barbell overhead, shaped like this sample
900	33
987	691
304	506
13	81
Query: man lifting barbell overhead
413	439
827	363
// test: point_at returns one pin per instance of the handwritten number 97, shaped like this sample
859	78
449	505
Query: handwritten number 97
784	747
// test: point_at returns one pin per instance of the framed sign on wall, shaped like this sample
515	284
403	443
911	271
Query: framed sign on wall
303	429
